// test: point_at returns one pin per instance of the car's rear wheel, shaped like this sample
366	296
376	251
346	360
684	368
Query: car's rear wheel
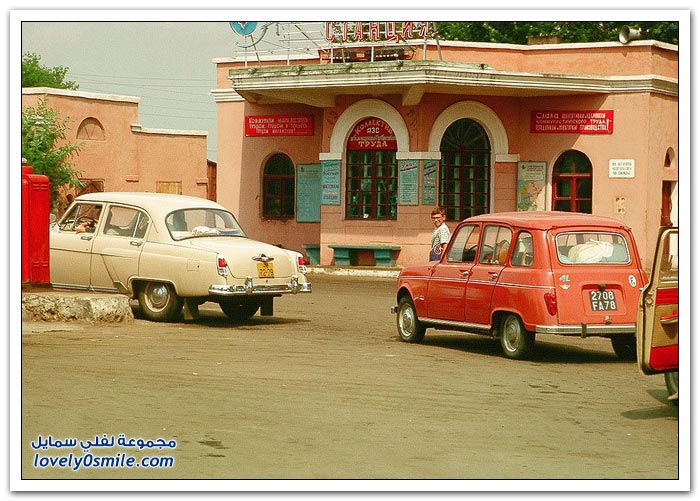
672	385
239	310
516	342
159	302
410	328
625	347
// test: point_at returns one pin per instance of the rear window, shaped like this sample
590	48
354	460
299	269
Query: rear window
592	248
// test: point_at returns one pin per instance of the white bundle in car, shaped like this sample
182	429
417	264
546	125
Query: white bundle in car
593	251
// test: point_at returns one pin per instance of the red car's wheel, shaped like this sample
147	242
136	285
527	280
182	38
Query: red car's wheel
517	343
410	328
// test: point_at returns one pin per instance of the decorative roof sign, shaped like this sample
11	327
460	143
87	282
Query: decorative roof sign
375	31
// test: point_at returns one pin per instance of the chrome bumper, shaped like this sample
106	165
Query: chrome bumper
585	330
251	289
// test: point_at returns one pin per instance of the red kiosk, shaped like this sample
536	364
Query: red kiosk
36	201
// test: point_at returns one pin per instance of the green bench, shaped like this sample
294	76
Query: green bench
313	251
384	255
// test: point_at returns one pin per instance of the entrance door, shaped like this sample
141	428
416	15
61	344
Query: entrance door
465	170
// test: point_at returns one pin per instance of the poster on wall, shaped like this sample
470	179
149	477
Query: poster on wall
309	193
330	182
532	181
408	182
429	195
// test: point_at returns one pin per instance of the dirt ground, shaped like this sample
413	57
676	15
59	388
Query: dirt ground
326	390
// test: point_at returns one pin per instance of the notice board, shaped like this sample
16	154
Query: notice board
408	182
330	182
309	193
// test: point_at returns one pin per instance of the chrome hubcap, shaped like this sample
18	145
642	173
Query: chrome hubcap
158	296
407	321
511	332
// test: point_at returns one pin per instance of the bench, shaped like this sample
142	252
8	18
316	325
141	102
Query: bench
313	251
383	254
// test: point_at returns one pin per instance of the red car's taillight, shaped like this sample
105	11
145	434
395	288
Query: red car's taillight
550	299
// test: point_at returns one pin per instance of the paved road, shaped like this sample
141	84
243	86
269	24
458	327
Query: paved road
325	390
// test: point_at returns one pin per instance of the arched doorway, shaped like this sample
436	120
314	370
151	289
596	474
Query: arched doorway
372	171
572	183
465	170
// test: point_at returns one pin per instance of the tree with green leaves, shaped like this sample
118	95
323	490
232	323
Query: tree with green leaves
518	32
35	74
45	148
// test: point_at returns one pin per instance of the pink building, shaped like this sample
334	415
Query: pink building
355	146
118	154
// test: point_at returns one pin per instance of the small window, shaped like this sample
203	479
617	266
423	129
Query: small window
91	129
523	250
463	249
592	248
79	214
278	188
495	245
125	222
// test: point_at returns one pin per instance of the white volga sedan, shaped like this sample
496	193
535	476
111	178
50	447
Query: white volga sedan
170	251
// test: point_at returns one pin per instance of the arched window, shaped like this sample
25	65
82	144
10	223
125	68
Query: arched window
91	129
572	183
372	171
278	187
465	170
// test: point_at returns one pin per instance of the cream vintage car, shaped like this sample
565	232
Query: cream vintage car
170	251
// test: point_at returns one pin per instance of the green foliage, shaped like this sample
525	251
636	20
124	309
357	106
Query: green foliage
34	74
517	32
45	147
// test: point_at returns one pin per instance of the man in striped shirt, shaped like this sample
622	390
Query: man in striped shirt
441	234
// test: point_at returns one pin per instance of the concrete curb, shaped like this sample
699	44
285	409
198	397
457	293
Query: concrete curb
87	307
355	271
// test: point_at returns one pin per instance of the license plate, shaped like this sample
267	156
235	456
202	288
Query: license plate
603	300
266	270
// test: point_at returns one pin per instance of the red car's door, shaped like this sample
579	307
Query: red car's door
493	253
449	277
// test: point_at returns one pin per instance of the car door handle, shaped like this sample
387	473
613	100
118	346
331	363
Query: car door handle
136	243
493	275
465	273
86	237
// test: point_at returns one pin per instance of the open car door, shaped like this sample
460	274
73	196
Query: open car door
657	320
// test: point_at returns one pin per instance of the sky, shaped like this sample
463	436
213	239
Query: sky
168	65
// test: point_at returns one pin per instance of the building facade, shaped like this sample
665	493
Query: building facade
118	154
354	148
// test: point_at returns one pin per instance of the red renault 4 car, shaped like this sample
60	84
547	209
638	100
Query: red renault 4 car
516	275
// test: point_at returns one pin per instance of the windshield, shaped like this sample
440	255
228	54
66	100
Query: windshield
592	248
188	223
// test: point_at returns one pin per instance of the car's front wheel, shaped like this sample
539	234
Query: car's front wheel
516	342
625	347
410	328
239	311
159	302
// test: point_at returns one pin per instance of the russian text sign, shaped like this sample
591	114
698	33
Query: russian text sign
279	125
571	121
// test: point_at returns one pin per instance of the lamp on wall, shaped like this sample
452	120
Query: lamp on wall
628	34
